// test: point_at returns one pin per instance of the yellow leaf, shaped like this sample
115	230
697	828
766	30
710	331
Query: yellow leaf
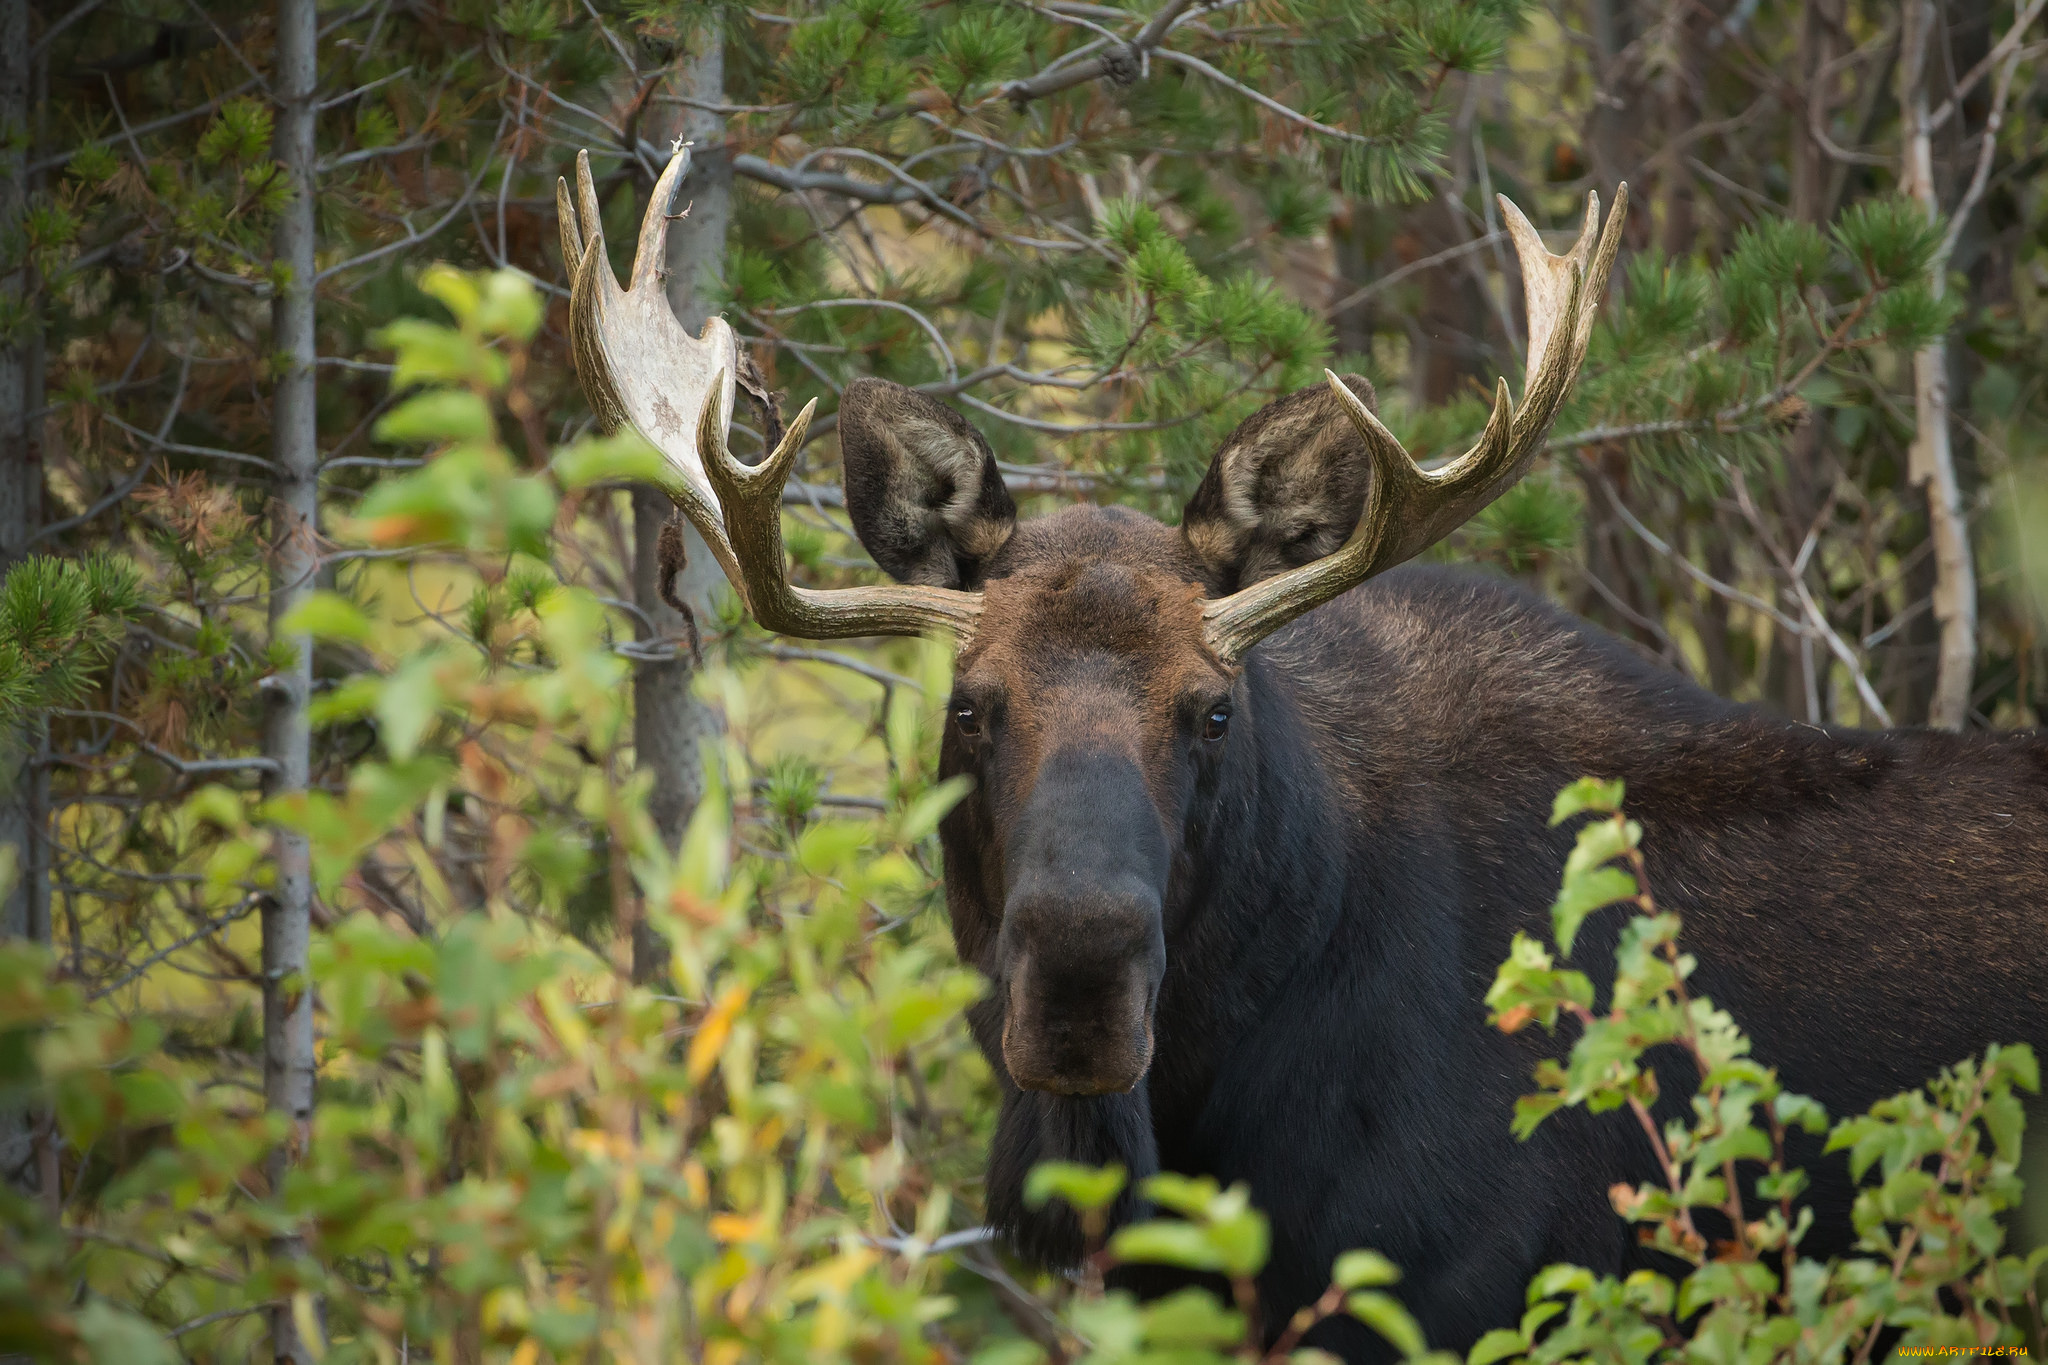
734	1227
712	1033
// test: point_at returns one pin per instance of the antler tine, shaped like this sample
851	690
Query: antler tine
752	499
638	364
1407	508
640	367
572	235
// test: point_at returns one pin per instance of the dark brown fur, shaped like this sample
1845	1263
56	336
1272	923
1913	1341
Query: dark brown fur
1282	937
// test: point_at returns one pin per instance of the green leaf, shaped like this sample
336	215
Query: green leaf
1584	894
1190	1195
924	814
327	616
1554	1280
2019	1060
407	705
1241	1239
2006	1118
352	698
1588	793
456	289
1084	1188
428	353
1598	843
1014	1351
1364	1270
1531	1110
435	416
1192	1317
116	1334
1385	1315
1164	1243
1799	1111
1499	1344
510	306
624	456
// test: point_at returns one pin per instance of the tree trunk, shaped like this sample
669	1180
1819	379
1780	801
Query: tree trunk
20	470
21	473
295	558
1931	463
667	720
27	1152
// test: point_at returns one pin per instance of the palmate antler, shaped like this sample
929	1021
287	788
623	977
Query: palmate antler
1408	509
639	365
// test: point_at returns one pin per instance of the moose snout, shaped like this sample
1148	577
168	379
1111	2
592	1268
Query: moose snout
1083	946
1079	993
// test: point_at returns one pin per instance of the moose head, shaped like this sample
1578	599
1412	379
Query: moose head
1101	655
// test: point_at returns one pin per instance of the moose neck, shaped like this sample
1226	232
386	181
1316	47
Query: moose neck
1253	893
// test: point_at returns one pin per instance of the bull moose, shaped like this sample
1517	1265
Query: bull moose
1256	810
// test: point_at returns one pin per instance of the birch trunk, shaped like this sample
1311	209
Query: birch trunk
668	721
287	915
1931	462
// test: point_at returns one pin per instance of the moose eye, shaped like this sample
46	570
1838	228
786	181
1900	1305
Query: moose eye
967	718
1216	724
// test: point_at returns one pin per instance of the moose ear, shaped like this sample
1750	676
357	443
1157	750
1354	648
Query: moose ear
1286	488
921	485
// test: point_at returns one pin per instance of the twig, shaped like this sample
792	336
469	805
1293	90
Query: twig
2004	48
211	927
1394	277
1200	67
1818	620
1691	570
222	1316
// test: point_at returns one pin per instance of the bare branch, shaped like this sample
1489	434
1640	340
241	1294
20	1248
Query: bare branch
1200	67
1817	621
1055	79
1986	151
210	927
1416	267
413	236
1690	569
2004	49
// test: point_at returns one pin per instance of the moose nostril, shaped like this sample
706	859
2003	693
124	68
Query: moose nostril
1068	1042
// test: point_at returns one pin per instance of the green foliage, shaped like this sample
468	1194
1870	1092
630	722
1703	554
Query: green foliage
1533	522
1892	239
1719	363
1929	1237
59	620
516	1145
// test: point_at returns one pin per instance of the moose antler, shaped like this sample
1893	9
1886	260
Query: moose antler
1408	508
639	365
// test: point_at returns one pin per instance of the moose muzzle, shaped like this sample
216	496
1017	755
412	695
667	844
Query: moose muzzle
1083	947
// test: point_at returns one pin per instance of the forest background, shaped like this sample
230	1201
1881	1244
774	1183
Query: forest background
331	646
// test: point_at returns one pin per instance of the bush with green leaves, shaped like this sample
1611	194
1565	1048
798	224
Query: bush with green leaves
517	1151
1930	1250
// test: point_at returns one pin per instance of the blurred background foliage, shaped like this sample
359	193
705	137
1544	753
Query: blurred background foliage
636	1010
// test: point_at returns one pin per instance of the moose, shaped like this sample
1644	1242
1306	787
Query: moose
1256	811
